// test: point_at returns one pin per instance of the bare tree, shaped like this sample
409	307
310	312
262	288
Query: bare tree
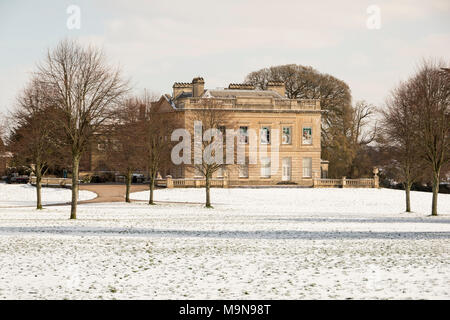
211	145
157	146
31	139
125	144
398	139
351	135
157	143
362	114
362	132
430	92
85	90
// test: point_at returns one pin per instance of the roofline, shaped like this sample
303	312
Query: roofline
247	90
169	101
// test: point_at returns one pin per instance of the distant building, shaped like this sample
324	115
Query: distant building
296	122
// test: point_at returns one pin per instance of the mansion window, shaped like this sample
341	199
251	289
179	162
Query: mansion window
307	167
179	171
286	137
265	167
243	134
307	135
243	170
265	135
222	129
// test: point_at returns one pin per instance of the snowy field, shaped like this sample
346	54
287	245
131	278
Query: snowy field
13	195
254	244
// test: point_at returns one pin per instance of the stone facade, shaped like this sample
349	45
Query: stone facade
295	124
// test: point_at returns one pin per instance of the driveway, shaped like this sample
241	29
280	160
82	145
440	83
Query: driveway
110	192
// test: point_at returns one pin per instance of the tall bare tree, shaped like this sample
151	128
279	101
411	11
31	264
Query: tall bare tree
430	92
157	147
398	139
32	137
156	136
85	90
362	132
210	147
125	141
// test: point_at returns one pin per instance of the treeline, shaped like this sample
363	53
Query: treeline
74	97
75	100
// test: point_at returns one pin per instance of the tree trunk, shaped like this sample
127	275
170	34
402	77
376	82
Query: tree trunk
208	196
38	190
75	168
435	194
152	187
408	198
128	186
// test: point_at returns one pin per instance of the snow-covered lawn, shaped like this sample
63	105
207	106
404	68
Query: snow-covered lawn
306	201
255	244
13	195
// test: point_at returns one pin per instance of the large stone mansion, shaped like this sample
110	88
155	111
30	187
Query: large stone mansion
293	124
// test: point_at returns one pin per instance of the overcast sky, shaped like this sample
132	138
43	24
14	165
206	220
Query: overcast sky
159	42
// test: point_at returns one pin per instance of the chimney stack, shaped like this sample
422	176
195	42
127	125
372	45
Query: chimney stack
241	86
180	87
277	86
198	86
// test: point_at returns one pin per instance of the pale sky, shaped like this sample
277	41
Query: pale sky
157	43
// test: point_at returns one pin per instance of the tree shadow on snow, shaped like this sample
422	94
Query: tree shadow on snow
238	234
426	219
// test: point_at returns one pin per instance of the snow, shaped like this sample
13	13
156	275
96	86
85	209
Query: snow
331	202
254	244
13	195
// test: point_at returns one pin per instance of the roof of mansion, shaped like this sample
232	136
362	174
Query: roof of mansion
232	94
238	97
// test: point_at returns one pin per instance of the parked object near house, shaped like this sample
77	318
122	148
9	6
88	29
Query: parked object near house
16	178
137	178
